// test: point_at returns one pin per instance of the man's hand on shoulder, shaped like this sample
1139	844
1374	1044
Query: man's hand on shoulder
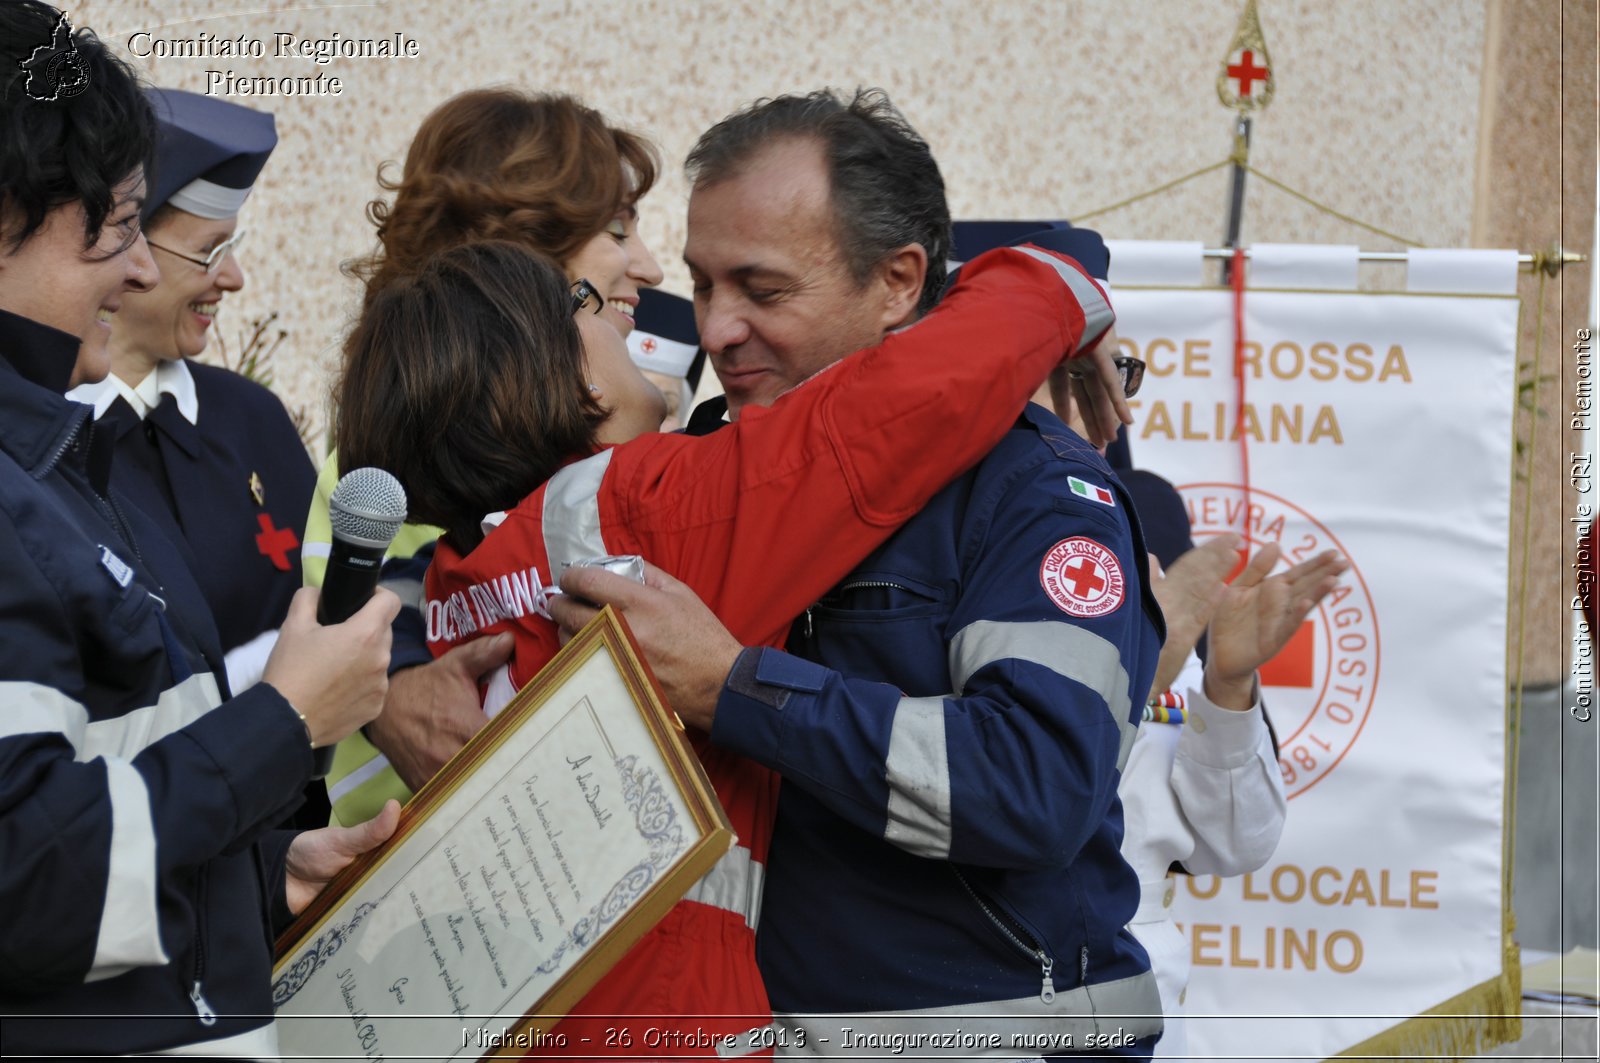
687	647
433	709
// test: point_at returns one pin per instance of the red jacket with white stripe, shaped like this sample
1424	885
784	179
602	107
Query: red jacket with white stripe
760	519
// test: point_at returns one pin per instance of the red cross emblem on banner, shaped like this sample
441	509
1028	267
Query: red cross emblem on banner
648	345
275	543
1295	664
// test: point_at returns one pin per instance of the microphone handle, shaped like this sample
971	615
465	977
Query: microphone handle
352	576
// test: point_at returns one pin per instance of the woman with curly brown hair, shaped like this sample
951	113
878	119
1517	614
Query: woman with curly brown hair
553	175
543	171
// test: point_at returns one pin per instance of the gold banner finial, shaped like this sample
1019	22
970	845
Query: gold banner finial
1245	82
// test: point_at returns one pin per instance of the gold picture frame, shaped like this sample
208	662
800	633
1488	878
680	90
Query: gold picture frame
503	862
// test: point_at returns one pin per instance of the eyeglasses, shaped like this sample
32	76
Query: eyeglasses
1129	368
213	260
584	293
1132	370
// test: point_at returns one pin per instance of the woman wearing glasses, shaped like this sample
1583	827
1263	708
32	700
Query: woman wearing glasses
212	456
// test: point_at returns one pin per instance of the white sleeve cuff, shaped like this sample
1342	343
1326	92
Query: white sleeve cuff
1222	738
246	663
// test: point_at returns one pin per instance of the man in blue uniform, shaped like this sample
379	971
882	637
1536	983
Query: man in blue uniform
951	720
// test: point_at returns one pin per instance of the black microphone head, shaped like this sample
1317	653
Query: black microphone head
367	508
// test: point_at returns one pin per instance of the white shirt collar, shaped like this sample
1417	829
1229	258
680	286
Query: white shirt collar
170	378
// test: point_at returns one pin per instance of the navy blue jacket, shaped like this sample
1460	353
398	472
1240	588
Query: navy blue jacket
948	828
200	482
138	885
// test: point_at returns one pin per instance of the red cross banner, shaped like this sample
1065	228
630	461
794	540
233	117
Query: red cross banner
1378	425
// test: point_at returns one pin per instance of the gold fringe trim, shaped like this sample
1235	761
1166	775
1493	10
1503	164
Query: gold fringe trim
1461	1028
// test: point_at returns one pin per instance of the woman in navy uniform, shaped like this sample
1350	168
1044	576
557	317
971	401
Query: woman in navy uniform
211	456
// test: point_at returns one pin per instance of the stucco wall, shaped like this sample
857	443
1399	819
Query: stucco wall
1034	108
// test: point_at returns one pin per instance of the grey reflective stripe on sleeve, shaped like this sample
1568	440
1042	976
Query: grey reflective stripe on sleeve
409	591
572	513
1097	315
991	1029
32	708
130	734
1065	649
733	884
129	926
350	783
918	774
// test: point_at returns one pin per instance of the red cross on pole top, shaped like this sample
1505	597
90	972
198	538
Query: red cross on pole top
1085	577
1245	72
1246	84
275	543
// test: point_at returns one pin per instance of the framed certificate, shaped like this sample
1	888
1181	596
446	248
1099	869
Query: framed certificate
517	877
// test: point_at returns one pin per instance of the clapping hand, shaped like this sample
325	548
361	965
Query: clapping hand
1258	615
1189	593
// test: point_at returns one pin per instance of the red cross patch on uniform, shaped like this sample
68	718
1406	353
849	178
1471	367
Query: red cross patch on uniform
1082	577
275	543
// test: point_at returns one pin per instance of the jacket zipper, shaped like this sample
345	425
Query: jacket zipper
1035	952
113	512
859	584
126	529
201	1007
60	450
855	586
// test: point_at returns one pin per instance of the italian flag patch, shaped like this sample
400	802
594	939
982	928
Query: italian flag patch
1090	491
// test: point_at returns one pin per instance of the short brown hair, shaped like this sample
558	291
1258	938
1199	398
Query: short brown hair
884	183
545	171
465	379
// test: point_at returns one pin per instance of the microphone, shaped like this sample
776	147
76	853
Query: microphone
366	510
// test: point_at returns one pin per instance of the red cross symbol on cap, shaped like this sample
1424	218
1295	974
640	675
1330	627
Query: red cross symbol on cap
275	543
648	345
1085	575
1245	72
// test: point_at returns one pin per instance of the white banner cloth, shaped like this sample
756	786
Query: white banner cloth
1379	425
1304	266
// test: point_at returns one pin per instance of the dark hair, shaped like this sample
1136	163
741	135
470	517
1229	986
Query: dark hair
76	147
465	379
545	171
886	188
